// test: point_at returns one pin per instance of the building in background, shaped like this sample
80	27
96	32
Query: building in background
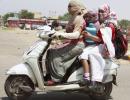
39	20
37	15
14	22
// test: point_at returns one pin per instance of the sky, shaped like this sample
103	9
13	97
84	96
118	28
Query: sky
59	7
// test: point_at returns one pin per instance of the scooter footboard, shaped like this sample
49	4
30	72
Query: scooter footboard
22	69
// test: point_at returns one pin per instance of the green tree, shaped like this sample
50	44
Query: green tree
6	16
124	23
65	17
26	15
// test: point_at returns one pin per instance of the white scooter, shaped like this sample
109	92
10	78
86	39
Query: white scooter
24	78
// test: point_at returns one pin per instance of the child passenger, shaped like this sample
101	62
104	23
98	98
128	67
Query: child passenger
92	27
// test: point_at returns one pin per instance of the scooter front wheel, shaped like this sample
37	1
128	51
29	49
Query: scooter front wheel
13	90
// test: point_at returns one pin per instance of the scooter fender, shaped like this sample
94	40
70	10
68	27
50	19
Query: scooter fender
110	70
22	69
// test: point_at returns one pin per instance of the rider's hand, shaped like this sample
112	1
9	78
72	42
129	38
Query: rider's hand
86	34
57	35
105	52
53	31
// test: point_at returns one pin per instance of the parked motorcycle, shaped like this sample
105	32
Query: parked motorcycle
24	78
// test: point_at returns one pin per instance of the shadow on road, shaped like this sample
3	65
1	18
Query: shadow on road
57	96
4	98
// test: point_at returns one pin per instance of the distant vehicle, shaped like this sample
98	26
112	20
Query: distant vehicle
27	26
34	26
40	27
21	25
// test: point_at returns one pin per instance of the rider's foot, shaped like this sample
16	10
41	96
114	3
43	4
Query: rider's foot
86	76
96	87
49	83
86	80
93	85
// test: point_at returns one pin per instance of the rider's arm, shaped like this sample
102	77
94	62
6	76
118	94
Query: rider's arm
93	37
74	35
78	27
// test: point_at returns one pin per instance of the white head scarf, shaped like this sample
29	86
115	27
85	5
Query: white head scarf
77	7
106	9
113	18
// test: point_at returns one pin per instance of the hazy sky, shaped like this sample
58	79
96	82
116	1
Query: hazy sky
59	7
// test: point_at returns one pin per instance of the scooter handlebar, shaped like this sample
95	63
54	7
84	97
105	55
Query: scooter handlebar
46	34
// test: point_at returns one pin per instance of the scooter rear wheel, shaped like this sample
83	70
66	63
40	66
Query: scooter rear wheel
13	90
107	89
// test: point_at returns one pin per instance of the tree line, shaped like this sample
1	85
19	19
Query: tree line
25	14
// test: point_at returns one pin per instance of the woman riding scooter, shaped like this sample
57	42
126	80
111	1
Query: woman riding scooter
61	58
30	74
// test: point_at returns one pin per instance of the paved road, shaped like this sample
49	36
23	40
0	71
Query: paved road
12	46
